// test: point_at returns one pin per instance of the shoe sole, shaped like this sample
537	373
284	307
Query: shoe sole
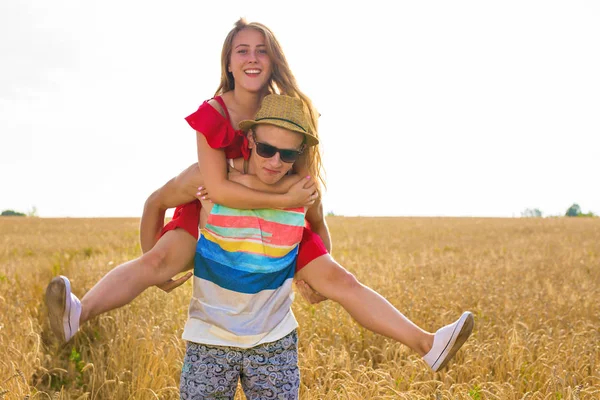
459	337
56	301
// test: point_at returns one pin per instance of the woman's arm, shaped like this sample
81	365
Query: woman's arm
285	185
213	165
183	188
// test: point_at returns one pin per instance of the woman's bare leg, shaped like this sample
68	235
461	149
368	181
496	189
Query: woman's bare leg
163	258
375	313
366	306
173	253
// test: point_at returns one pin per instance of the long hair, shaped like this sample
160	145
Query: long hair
282	81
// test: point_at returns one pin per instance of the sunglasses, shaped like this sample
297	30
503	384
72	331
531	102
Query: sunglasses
267	151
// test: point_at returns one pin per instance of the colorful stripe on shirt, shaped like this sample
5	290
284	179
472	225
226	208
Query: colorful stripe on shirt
244	266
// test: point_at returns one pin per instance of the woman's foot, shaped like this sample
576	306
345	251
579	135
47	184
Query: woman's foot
64	308
448	340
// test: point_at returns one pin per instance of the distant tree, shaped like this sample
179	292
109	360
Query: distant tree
11	213
573	211
330	213
529	213
33	212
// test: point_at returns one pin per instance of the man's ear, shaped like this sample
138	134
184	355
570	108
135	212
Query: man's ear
250	138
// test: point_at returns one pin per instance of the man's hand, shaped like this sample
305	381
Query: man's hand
173	284
309	293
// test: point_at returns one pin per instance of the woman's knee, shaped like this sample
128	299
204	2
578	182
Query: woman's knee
346	280
154	261
336	280
171	254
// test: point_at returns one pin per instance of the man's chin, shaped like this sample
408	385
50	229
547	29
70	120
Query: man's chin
270	179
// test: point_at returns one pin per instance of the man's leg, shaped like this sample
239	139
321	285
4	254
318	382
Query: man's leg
270	370
210	372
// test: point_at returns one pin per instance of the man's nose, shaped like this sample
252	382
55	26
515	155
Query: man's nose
275	161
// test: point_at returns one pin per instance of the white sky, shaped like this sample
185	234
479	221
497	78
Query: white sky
433	108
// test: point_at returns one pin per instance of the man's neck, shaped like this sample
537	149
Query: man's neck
243	166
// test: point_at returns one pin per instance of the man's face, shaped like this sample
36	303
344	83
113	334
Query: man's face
271	169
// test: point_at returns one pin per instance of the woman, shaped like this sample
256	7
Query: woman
247	75
252	66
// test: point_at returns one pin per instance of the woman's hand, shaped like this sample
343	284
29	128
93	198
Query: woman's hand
233	176
303	193
202	194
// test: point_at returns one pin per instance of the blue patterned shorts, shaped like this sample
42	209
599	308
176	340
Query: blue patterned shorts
267	371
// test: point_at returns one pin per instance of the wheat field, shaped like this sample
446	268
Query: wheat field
533	285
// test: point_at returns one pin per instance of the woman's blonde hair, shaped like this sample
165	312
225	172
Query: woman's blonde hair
282	81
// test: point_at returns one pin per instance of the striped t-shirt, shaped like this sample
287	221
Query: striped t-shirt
244	267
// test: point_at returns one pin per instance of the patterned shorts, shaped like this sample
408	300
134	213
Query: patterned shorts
267	371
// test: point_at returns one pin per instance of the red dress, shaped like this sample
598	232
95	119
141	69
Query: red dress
220	134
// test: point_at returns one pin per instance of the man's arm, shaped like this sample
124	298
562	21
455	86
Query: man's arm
177	191
317	222
314	216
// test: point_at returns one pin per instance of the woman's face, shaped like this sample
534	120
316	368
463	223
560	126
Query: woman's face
271	170
249	63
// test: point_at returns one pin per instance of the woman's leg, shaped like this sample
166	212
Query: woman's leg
377	314
173	253
365	305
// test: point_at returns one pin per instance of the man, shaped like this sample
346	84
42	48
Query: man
240	323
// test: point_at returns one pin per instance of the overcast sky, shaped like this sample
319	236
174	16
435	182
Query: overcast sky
433	108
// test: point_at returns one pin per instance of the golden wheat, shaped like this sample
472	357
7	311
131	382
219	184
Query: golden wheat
533	284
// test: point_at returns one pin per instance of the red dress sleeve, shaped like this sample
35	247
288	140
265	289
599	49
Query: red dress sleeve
218	131
219	134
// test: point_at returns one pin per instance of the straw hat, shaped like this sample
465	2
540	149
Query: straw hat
283	111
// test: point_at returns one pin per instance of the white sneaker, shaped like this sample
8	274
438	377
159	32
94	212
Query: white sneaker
64	308
448	340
